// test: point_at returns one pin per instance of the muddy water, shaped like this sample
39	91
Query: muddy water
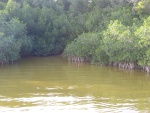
51	84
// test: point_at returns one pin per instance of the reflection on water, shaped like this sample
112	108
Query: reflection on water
53	85
55	102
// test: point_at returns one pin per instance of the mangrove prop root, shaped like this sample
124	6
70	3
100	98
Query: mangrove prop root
76	59
125	65
146	68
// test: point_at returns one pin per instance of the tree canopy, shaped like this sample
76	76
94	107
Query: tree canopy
103	31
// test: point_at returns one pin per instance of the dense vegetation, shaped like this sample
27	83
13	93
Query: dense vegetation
111	32
121	35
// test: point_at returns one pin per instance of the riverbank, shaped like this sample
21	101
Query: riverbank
123	65
73	59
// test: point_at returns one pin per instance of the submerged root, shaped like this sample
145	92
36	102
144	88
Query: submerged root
125	65
4	62
76	59
129	65
146	68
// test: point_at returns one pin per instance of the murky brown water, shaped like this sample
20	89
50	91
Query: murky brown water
52	84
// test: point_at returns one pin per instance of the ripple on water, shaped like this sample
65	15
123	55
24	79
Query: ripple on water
52	104
55	104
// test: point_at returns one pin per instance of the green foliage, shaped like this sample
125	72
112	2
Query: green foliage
12	35
122	14
94	20
2	5
119	43
26	46
100	55
9	49
142	7
83	46
48	26
143	34
99	30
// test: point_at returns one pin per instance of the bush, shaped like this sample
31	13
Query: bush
83	47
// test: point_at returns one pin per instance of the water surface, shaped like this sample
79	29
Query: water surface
51	84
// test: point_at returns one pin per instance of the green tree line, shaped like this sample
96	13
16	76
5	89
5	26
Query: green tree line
120	36
111	32
38	27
